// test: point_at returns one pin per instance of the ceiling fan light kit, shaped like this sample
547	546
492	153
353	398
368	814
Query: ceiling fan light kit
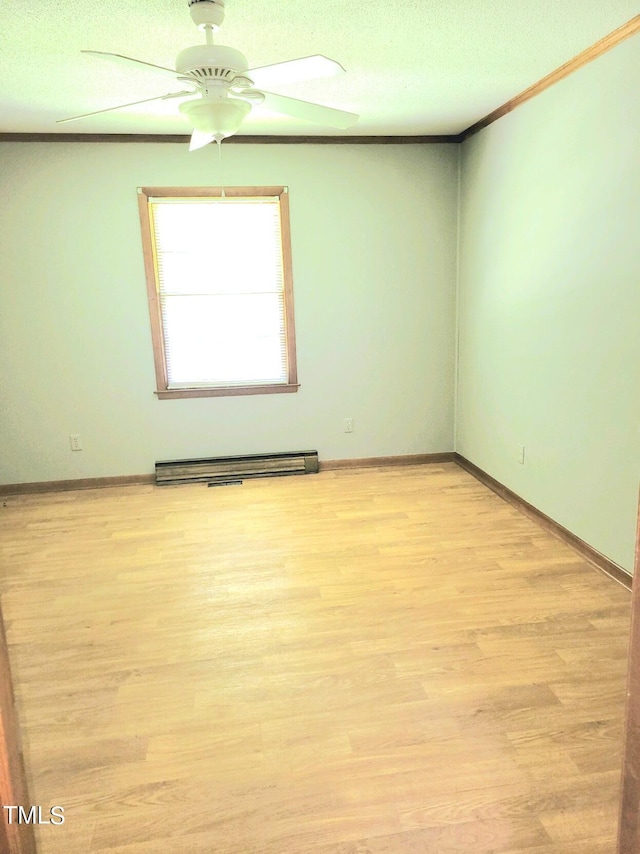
222	90
219	118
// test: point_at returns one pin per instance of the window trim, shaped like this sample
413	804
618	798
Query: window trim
163	391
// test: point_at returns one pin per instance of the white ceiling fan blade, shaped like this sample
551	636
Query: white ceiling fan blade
122	106
315	113
199	139
305	68
253	96
118	57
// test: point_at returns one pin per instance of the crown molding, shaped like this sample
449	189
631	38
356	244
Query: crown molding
605	44
182	139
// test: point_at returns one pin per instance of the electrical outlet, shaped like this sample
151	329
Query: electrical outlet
348	425
76	442
521	454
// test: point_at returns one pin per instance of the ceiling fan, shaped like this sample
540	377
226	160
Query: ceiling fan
223	86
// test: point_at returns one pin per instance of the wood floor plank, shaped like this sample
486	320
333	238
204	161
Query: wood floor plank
376	661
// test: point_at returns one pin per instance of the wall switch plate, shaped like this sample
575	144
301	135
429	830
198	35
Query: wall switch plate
76	442
521	454
348	425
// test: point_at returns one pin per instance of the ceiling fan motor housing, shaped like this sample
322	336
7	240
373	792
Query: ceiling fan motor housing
207	13
211	61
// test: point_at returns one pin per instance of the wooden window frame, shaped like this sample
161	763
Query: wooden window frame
157	336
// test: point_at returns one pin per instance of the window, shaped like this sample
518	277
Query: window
220	293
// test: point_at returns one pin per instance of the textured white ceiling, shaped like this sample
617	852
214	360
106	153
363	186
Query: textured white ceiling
413	66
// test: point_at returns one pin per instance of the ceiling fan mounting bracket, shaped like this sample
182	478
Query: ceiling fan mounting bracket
207	14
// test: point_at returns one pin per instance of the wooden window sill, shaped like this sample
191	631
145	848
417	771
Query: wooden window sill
227	391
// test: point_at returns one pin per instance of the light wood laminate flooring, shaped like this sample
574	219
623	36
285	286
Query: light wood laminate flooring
375	661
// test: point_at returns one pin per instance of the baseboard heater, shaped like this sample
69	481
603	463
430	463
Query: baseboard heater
233	469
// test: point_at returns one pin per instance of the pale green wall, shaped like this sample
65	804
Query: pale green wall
373	231
549	306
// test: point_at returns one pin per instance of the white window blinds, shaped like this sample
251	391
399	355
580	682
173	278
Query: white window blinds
219	272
